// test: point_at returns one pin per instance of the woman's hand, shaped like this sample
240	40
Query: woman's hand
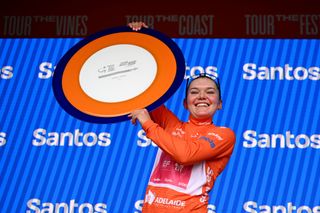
137	25
141	114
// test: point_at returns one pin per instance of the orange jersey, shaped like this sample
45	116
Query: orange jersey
191	156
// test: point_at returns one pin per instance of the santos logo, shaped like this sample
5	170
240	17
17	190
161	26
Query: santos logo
6	72
197	70
143	140
77	138
251	72
3	140
252	207
288	140
35	205
46	70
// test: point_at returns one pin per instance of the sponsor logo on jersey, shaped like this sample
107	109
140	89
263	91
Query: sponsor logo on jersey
153	199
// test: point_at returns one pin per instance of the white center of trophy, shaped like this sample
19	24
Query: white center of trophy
118	73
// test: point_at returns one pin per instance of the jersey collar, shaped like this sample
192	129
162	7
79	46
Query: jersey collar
200	122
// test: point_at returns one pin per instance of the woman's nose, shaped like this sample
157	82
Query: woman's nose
201	94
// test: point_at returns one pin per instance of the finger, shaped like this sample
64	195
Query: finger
133	118
133	25
140	25
134	121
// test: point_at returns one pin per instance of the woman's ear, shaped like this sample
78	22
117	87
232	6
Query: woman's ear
220	105
185	103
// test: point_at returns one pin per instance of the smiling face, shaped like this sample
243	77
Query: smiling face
203	98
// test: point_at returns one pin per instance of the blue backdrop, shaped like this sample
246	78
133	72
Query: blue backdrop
50	161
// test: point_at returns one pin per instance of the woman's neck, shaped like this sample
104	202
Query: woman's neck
200	121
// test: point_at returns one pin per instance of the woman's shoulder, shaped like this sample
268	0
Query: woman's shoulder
224	131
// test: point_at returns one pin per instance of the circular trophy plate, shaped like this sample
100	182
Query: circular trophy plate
113	72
